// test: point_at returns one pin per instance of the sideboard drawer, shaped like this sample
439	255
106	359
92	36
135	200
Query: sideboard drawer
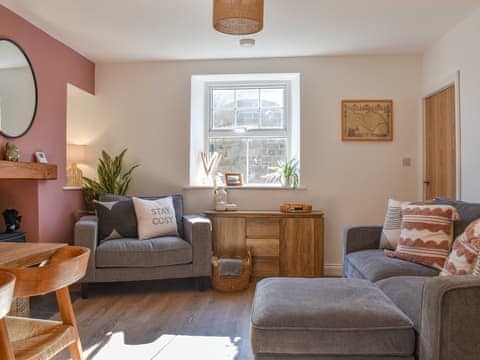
266	266
258	227
264	247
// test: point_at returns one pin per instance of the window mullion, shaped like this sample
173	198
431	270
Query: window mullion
246	159
235	109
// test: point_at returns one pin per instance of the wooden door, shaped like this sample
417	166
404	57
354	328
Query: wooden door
440	145
300	247
229	236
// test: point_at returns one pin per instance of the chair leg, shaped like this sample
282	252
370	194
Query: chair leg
202	283
84	290
6	351
76	351
68	317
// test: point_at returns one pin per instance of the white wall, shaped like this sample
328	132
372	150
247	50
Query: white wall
146	107
459	50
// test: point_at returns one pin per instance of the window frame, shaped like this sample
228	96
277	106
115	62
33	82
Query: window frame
285	132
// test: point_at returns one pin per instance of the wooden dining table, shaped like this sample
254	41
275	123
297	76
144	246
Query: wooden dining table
26	254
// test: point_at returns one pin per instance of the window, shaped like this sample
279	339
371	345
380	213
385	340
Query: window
249	127
251	120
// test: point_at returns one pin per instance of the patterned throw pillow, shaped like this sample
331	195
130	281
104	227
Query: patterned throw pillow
391	226
155	217
465	256
116	219
426	234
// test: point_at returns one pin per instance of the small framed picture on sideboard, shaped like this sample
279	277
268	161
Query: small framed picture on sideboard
234	179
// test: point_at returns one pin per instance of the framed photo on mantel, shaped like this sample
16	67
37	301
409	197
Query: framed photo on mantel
367	120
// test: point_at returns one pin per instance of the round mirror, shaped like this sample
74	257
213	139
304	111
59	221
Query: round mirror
18	90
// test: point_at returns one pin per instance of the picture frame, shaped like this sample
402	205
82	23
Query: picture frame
367	120
40	157
234	179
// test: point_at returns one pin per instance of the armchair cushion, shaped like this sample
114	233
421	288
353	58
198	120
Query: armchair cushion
134	253
374	265
468	212
115	219
177	204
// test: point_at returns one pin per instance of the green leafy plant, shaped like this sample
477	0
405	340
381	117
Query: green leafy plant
286	172
112	179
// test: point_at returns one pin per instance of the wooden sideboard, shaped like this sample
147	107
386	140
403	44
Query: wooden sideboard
282	244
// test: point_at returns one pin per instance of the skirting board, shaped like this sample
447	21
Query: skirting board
333	270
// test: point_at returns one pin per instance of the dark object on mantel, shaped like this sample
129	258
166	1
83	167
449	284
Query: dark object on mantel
17	237
12	220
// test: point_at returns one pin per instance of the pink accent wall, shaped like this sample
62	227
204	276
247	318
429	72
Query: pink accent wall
48	210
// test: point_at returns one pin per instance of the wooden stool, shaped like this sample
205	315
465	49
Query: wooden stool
34	339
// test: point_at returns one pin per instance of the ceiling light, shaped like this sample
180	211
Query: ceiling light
247	43
238	17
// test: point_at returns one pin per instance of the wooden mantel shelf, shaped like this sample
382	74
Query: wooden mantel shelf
10	170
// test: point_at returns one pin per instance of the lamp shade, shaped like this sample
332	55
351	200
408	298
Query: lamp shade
76	153
238	17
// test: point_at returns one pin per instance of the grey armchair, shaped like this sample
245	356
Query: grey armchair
185	256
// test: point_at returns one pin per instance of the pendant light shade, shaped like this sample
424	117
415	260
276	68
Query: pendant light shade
238	17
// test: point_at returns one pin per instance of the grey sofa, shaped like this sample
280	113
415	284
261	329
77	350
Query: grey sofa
445	311
383	309
185	256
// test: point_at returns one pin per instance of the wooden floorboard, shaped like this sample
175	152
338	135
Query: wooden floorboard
163	320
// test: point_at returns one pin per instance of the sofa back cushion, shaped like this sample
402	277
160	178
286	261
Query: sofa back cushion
468	212
177	204
465	256
427	234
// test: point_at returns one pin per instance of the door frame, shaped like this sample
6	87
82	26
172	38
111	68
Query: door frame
453	79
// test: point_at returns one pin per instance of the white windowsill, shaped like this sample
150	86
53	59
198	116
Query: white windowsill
245	187
72	188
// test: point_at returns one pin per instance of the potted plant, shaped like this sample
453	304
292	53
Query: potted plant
286	172
112	178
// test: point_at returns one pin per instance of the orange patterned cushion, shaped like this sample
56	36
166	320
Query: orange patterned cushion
464	258
426	234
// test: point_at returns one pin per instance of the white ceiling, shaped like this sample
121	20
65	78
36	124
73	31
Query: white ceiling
123	30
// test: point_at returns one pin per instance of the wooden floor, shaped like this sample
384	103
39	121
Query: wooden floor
163	320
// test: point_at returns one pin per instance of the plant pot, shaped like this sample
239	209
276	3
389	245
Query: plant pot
288	181
89	196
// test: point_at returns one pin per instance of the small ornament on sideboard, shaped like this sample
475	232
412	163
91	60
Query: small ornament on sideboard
295	208
12	220
12	152
221	198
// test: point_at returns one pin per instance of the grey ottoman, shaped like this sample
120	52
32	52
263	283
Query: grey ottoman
296	318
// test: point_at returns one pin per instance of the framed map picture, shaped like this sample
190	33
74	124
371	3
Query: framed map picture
367	120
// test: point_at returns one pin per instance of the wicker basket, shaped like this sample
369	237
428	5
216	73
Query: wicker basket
20	307
229	284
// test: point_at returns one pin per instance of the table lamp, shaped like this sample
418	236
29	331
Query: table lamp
76	154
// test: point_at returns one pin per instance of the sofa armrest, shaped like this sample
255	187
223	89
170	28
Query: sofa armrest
198	232
450	319
363	237
86	235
